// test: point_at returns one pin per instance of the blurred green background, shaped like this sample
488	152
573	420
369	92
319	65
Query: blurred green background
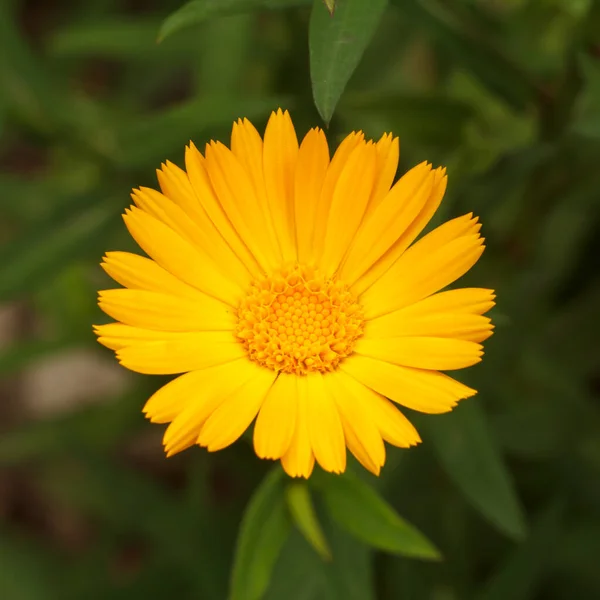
506	93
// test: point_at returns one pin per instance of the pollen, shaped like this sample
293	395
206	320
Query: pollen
298	321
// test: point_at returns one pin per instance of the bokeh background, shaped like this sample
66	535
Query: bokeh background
505	93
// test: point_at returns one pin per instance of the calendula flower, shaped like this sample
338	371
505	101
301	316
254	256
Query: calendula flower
282	285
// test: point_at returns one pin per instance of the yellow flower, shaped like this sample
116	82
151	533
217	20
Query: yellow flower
283	285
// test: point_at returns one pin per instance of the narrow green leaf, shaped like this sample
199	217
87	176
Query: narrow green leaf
197	11
587	117
110	493
303	513
29	199
361	511
46	248
577	550
118	38
519	576
337	43
152	138
420	118
26	88
472	49
301	575
223	73
88	430
264	529
28	571
472	460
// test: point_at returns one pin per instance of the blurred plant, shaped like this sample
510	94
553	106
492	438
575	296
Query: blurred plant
506	94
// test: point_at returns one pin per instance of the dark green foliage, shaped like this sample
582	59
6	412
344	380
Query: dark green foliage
506	94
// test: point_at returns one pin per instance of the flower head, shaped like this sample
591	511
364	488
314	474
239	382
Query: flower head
284	286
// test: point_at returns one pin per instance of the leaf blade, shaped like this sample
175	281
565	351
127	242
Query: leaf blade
474	51
264	529
336	44
465	449
198	11
304	515
44	249
361	511
520	574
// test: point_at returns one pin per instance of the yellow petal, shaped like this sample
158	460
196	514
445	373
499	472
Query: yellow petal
394	427
324	426
384	225
362	435
241	204
141	273
116	335
163	209
444	354
247	146
205	194
154	310
348	205
190	351
313	160
422	270
176	185
299	459
453	313
334	170
227	423
280	152
405	322
179	257
191	389
408	237
200	233
425	391
276	420
206	389
388	153
464	300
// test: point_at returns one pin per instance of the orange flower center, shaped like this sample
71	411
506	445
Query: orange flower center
298	322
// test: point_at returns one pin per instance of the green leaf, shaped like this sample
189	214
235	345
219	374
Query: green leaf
26	87
520	575
118	38
264	529
224	72
46	248
105	489
303	513
28	571
300	574
472	460
587	119
473	49
361	511
152	138
419	118
95	428
336	44
110	493
577	550
197	11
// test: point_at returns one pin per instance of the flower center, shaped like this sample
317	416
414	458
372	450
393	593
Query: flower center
298	321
